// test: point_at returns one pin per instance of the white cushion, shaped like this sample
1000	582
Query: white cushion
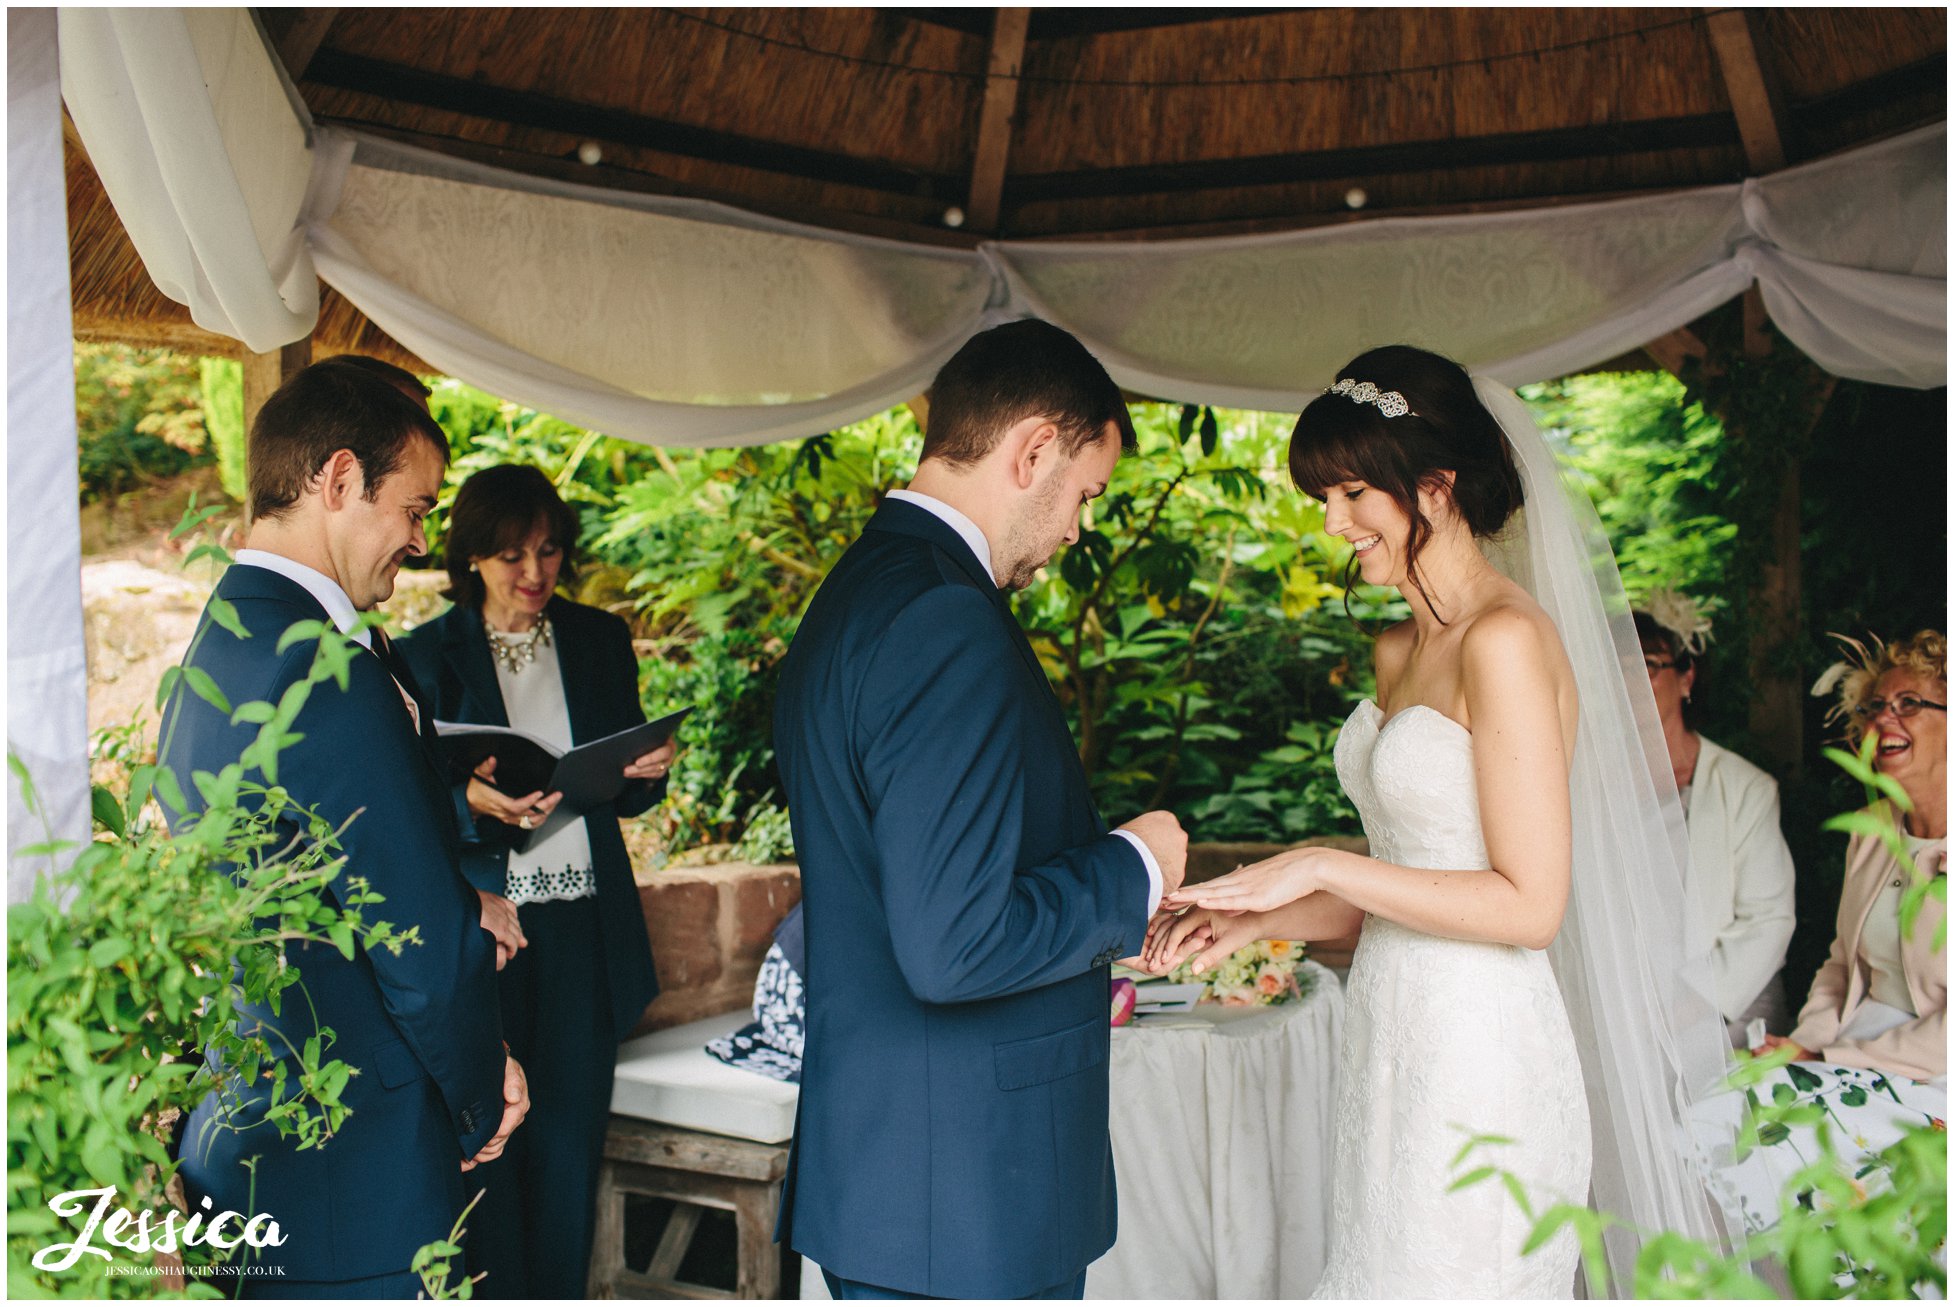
670	1078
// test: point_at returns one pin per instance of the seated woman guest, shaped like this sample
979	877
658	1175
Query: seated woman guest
1740	873
510	652
1880	1000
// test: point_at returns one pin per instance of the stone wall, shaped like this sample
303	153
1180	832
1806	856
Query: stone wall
710	926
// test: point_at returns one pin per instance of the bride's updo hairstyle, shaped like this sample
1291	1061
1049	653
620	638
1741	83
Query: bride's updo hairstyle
1359	434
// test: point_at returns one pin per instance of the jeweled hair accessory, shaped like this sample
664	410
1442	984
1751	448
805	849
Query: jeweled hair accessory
1683	617
1389	402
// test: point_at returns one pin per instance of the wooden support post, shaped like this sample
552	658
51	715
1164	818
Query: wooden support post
265	373
999	112
1753	91
1670	352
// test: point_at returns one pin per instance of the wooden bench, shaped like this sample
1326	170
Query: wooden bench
695	1170
688	1128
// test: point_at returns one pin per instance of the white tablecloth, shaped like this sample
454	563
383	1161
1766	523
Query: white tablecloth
1221	1142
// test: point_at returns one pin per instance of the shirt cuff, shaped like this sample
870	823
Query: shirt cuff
1154	887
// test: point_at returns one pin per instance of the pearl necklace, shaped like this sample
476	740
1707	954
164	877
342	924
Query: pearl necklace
516	650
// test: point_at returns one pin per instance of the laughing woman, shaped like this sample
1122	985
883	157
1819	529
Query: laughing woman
1880	1000
511	652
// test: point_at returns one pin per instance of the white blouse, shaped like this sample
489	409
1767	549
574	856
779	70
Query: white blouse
558	866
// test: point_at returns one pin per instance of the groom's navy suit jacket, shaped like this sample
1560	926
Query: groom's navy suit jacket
962	902
424	1028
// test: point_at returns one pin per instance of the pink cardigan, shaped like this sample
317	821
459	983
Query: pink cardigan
1918	1049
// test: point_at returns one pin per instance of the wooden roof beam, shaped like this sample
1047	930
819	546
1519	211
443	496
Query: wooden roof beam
404	85
305	32
1754	97
999	116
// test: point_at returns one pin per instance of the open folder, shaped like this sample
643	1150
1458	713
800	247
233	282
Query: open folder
589	775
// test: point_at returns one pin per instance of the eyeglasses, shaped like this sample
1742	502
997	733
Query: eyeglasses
1903	705
1657	664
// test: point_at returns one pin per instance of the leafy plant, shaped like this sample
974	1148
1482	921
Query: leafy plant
127	967
1836	1235
138	417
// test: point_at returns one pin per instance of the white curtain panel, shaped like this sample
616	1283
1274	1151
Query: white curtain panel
674	322
187	121
47	672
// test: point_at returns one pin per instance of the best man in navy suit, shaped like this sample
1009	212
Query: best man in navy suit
963	897
343	467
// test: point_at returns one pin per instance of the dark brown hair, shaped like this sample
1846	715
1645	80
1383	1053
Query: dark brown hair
495	510
323	409
1019	370
1338	439
398	377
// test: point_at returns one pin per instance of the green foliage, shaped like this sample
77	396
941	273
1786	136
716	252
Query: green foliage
125	968
138	417
1648	456
223	411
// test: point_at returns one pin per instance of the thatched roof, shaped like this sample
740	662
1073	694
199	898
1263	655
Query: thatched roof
1119	122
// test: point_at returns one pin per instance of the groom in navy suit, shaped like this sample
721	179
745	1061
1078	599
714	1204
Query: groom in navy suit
343	467
962	895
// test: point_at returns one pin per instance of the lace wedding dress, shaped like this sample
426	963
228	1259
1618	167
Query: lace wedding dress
1444	1038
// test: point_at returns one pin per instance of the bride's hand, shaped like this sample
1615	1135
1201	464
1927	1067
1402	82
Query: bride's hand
1267	884
1204	935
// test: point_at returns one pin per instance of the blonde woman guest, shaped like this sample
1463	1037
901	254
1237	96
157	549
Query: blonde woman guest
1740	881
1880	1000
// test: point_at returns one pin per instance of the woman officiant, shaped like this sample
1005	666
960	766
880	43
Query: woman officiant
511	652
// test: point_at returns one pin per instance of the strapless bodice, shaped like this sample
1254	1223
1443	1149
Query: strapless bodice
1412	781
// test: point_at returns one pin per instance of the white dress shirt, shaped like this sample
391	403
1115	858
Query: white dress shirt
980	548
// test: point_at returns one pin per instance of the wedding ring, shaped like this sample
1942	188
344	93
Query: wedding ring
528	822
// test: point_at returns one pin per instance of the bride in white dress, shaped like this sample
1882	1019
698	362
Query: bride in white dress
1464	771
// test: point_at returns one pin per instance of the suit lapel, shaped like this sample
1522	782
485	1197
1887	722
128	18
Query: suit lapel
464	646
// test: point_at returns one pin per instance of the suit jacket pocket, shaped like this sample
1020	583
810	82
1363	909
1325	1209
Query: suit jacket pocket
393	1064
1026	1062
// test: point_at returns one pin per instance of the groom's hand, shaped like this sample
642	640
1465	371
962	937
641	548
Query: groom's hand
1162	834
515	1106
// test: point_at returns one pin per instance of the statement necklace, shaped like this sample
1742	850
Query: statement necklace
516	650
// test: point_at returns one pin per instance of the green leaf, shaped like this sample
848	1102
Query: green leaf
257	712
223	612
1475	1176
1806	1081
1210	433
1187	422
206	689
107	810
108	952
169	791
19	769
167	685
310	629
1783	1095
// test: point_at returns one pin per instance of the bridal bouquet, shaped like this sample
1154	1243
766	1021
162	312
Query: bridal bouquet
1257	975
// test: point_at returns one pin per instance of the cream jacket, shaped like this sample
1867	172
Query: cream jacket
1740	874
1918	1049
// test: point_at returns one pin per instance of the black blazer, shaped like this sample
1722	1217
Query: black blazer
423	1027
450	658
962	901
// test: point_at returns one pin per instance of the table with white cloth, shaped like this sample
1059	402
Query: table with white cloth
1221	1125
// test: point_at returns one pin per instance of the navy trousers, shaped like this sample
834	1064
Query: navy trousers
530	1234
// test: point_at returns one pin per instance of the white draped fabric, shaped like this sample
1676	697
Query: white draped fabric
47	722
683	322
